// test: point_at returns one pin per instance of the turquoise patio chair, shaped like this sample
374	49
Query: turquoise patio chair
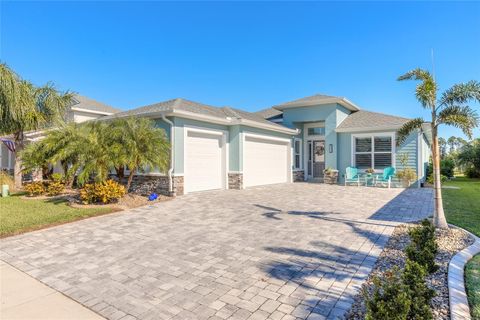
386	177
352	176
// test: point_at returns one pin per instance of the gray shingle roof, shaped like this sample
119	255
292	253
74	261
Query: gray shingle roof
180	104
309	99
83	102
367	119
268	113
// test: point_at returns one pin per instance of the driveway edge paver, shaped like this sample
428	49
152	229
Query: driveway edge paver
24	297
459	308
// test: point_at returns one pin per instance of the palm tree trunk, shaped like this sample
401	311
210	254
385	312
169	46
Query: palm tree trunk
439	219
130	178
17	169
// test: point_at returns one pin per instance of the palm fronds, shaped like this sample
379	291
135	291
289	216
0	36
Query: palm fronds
462	117
461	93
407	129
426	91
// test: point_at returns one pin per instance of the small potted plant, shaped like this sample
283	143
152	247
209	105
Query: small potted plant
370	171
330	176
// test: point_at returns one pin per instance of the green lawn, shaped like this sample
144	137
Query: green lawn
462	208
19	215
472	281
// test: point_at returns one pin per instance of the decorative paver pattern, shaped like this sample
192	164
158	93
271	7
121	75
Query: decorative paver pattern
291	251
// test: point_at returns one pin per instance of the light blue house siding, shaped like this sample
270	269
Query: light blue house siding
332	114
410	147
235	141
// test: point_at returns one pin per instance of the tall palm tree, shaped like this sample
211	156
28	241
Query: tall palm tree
450	109
24	107
142	145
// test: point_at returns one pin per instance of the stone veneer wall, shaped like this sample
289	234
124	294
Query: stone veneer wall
298	175
146	184
235	180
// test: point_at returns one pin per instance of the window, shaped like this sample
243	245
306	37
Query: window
297	152
373	152
316	131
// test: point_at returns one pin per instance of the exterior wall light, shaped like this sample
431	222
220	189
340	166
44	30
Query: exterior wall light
330	148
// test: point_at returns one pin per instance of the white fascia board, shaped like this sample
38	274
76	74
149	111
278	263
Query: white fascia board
232	121
363	129
342	101
268	127
91	111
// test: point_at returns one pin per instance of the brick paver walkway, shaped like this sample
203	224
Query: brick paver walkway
279	252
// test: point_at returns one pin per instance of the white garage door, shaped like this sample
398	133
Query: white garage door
204	161
265	161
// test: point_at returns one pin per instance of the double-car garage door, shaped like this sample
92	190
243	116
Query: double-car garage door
265	160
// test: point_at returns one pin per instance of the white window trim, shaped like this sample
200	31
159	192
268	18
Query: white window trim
307	126
300	153
372	136
225	143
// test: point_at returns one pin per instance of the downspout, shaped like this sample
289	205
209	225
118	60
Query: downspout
170	170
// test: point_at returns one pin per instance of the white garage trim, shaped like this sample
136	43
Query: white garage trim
288	144
225	152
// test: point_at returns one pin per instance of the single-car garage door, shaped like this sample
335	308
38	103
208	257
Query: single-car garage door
265	161
204	161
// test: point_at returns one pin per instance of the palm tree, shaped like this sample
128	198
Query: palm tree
24	107
450	109
442	144
59	145
142	145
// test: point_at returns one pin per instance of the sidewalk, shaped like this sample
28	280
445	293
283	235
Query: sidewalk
23	297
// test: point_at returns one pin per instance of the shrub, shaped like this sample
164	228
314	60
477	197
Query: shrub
423	247
36	188
54	188
442	178
56	177
447	167
413	278
390	299
104	192
472	172
5	178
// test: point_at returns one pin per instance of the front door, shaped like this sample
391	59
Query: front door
316	158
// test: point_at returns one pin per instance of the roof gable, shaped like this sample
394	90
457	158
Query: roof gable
82	102
362	120
317	99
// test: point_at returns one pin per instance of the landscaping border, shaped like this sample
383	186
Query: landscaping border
459	308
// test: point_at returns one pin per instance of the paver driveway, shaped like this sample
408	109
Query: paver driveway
281	252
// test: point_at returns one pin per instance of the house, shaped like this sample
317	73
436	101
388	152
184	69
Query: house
82	109
227	148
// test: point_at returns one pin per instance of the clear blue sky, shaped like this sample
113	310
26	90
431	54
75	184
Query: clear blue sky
246	55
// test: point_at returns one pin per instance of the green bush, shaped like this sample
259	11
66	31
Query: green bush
423	247
442	179
5	178
413	278
36	188
390	298
56	177
102	192
447	167
472	172
54	188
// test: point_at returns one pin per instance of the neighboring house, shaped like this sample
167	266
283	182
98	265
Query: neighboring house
82	109
226	148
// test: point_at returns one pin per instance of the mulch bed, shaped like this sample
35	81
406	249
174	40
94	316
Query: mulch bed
129	201
449	243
